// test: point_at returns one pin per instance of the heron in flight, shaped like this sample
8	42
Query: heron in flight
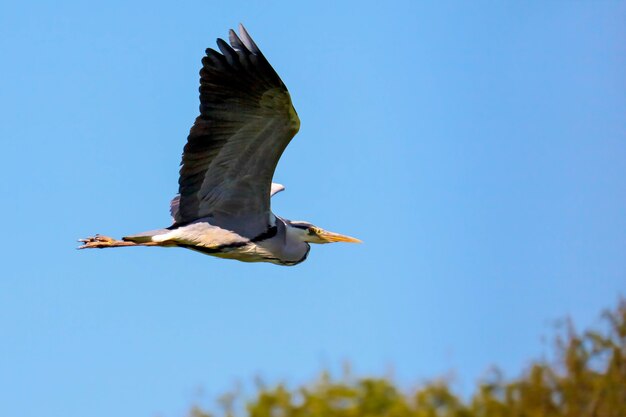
223	207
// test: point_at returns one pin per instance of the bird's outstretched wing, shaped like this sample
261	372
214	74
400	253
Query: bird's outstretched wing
246	121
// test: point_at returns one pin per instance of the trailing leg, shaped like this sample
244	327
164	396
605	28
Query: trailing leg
101	242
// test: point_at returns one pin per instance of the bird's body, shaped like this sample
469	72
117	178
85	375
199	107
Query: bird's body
278	245
223	206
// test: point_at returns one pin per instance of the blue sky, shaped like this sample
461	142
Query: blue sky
478	150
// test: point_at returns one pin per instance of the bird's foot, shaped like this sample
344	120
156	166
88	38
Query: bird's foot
100	242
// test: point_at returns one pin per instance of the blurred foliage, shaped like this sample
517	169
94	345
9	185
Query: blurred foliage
587	378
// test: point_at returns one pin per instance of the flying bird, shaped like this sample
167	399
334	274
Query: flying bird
223	206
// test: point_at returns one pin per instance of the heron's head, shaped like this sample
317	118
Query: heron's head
310	233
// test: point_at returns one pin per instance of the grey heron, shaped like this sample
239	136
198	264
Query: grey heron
223	206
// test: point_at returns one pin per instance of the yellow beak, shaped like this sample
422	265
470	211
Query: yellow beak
336	237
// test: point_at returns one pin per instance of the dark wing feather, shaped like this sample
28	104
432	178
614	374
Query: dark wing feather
246	121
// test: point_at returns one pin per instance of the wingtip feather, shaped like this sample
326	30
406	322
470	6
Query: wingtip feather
235	42
247	40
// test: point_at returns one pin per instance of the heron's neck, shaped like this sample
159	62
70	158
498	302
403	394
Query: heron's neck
289	242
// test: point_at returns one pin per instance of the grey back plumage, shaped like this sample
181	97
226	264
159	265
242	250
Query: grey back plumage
246	121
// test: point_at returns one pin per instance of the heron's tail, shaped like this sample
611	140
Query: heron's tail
145	237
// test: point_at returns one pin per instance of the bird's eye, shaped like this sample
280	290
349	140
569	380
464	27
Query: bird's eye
313	231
